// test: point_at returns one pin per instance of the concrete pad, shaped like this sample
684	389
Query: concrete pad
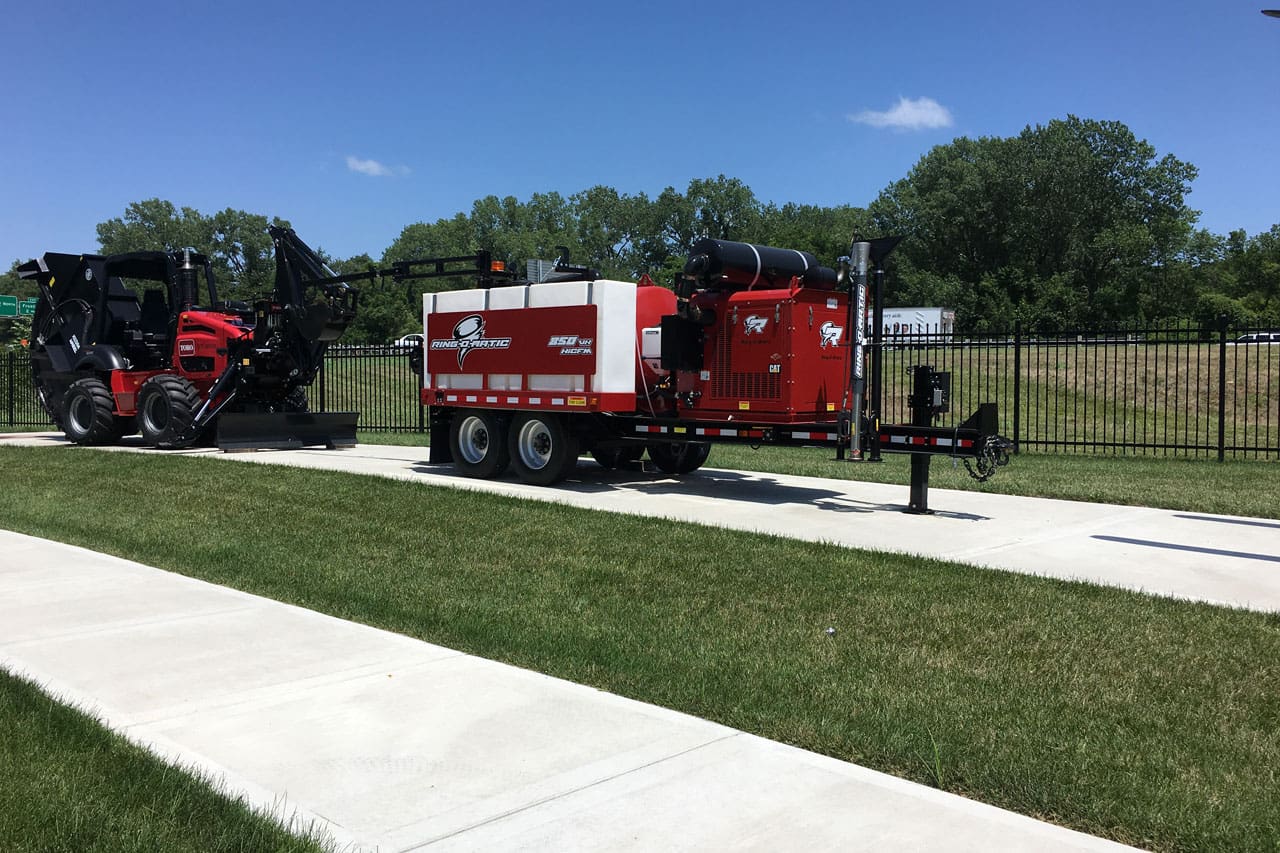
394	744
1212	558
434	750
778	798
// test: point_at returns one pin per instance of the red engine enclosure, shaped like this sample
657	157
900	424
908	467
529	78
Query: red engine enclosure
199	354
771	356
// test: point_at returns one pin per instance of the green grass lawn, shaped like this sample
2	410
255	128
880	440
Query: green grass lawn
1146	720
69	784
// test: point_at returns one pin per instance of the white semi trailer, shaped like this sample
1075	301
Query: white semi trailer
918	323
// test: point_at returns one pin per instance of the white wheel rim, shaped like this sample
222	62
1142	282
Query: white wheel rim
535	445
473	440
156	413
81	413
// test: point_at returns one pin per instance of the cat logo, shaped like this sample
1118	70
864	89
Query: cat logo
755	324
831	334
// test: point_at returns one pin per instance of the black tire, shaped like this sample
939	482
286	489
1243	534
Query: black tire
676	458
87	413
167	405
478	442
616	457
542	449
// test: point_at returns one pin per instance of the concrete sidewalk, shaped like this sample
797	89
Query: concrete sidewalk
395	744
1212	558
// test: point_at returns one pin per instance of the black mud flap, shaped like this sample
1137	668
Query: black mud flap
286	430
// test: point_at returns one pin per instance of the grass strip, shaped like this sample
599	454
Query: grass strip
1146	720
1234	487
70	784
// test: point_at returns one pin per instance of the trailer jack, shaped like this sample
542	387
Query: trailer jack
931	397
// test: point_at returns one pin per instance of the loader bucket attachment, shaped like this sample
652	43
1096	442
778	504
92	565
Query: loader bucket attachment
286	430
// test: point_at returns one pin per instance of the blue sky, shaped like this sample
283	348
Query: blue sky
353	120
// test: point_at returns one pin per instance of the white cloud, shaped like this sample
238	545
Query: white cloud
907	114
373	168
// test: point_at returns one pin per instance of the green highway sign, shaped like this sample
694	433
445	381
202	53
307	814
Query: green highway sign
8	306
27	308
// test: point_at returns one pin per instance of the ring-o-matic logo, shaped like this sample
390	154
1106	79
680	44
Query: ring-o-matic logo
468	335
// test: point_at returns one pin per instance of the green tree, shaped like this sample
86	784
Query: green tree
155	225
1257	272
827	232
443	238
609	230
14	330
385	309
720	207
1071	220
240	245
236	242
723	208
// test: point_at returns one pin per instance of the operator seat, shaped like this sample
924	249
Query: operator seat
155	316
123	314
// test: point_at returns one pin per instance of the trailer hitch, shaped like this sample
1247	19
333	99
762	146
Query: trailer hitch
993	454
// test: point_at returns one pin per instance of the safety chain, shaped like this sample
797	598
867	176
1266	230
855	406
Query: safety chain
994	454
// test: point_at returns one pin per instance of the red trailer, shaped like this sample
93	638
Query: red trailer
753	345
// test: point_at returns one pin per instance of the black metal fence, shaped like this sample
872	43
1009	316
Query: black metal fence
1149	391
1137	391
375	381
18	404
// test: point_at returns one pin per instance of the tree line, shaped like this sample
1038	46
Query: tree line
1076	224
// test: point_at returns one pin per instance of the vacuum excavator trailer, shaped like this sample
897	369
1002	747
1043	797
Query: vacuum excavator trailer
752	345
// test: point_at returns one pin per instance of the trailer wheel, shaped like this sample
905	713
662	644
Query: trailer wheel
167	405
478	441
677	458
87	413
542	449
616	457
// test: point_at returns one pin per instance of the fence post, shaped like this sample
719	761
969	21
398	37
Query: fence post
12	391
1017	382
320	380
1222	388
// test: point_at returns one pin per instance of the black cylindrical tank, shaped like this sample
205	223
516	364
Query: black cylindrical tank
725	262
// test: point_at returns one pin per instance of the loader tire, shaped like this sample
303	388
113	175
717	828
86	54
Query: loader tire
87	413
543	451
478	442
677	458
167	405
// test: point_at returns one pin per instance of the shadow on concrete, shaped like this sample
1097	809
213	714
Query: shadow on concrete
1241	521
1194	549
751	488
